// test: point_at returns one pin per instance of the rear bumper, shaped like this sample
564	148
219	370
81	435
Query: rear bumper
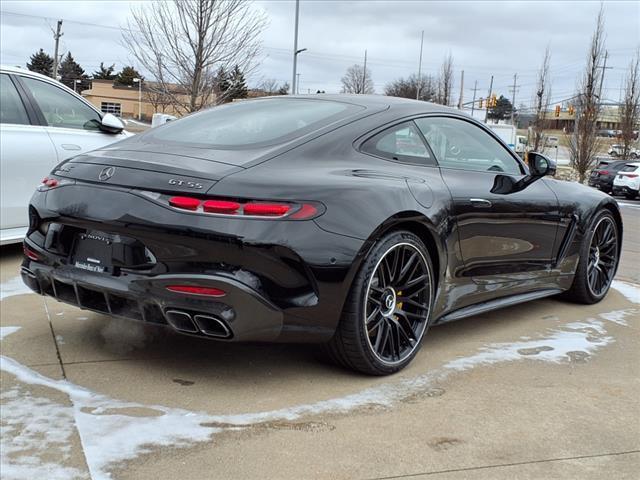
284	280
241	315
624	190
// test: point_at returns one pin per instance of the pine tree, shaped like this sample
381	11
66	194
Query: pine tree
70	71
41	62
222	85
238	84
126	76
104	73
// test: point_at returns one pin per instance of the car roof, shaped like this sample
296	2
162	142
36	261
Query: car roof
378	101
23	71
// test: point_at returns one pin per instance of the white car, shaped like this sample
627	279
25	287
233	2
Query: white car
616	150
42	122
627	181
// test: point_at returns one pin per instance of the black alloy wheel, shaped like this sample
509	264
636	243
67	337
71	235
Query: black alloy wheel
603	256
388	309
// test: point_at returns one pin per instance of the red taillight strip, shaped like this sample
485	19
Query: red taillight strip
187	203
193	290
30	253
260	209
220	206
266	209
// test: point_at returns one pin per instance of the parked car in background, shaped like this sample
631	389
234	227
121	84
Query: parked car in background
551	141
627	182
616	150
603	175
42	122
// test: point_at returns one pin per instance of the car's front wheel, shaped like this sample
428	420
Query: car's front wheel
598	261
388	309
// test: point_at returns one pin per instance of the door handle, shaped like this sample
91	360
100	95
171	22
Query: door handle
480	202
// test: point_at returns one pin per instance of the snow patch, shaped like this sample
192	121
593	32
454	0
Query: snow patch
6	331
110	433
13	286
618	316
629	290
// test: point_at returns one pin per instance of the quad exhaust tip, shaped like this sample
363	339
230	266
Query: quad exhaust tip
205	324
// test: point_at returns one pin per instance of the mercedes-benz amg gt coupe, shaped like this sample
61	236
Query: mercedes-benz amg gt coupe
356	222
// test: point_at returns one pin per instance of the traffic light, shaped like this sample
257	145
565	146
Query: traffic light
494	101
572	110
481	101
557	110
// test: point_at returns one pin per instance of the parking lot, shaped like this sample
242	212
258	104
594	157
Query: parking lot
540	390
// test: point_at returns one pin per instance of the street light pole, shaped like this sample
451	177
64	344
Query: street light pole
420	68
139	82
295	49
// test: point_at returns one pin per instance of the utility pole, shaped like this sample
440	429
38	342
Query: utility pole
604	67
56	36
461	89
420	68
513	102
486	113
473	104
295	49
298	83
364	74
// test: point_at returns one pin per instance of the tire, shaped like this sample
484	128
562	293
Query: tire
360	343
633	155
630	195
582	289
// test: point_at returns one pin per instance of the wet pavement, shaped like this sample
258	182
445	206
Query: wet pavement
541	390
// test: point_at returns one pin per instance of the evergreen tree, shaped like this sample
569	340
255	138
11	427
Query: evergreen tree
126	76
222	85
70	71
41	62
502	110
104	73
238	84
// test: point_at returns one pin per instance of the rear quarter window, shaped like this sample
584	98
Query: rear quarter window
254	123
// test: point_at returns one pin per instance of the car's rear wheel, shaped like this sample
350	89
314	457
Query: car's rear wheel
631	195
388	309
598	261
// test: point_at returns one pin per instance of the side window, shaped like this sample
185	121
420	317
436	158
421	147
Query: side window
60	109
401	143
11	107
460	144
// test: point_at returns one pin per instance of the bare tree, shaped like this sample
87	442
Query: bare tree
584	142
355	80
156	96
445	81
630	108
269	86
408	87
541	102
184	42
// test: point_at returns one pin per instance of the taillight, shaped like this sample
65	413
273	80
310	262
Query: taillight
604	172
266	209
29	253
632	175
193	290
274	210
220	206
184	202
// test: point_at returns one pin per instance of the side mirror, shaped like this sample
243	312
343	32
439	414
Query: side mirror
539	165
111	124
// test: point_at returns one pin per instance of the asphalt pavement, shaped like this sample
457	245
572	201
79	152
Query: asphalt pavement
542	390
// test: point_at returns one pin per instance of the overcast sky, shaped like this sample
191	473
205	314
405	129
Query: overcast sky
485	38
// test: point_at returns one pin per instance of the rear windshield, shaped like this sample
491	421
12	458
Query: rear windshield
254	123
629	168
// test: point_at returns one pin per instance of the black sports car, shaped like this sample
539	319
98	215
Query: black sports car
354	221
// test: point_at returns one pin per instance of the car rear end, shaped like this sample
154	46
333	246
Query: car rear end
603	175
627	182
138	232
